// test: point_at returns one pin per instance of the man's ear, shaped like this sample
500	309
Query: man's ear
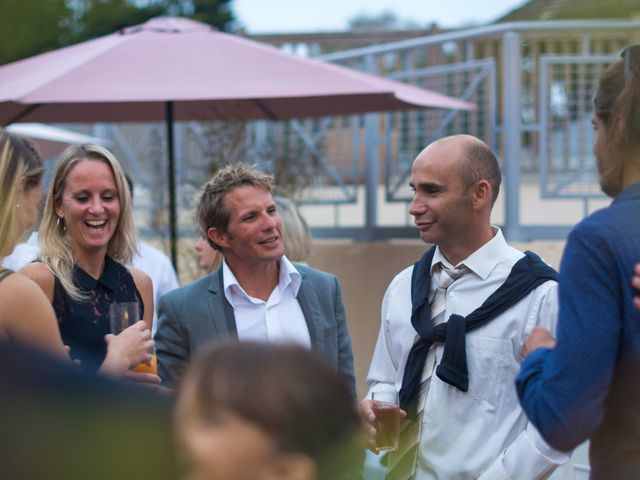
217	237
291	466
481	193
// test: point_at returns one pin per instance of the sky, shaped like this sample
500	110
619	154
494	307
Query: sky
280	16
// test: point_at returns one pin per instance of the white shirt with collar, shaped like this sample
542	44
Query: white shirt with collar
23	253
155	263
279	319
482	433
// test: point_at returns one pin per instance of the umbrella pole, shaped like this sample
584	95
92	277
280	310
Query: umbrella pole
171	175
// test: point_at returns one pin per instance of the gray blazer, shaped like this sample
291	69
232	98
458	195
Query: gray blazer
191	316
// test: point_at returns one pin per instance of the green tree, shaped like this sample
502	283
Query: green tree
96	18
376	22
29	27
101	17
216	13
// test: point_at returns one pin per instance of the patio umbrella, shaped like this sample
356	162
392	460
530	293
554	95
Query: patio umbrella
51	140
178	69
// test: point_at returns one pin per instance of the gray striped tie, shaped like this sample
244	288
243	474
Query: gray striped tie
402	462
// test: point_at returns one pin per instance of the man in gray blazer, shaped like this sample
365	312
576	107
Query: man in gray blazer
256	294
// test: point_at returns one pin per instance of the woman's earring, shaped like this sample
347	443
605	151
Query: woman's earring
17	205
60	224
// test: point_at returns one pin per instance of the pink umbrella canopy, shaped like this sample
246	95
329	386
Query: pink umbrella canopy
130	75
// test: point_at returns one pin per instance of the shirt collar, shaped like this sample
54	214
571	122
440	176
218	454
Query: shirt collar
482	261
109	277
288	275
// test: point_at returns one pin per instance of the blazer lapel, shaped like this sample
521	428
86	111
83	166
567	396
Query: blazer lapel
224	320
310	307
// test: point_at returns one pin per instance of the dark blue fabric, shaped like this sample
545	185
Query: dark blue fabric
589	385
83	325
527	273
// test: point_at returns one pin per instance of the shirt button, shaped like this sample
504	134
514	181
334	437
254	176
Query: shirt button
452	294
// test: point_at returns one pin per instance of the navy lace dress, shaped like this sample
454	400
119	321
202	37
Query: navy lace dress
83	325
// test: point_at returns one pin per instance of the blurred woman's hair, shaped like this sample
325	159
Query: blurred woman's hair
208	258
216	261
290	393
55	245
21	168
297	239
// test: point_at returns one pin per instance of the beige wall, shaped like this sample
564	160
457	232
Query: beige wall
365	270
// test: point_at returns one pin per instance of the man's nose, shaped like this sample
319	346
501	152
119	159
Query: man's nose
269	222
416	207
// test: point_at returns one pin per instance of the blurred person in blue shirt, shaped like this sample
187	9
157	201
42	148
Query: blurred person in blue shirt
584	385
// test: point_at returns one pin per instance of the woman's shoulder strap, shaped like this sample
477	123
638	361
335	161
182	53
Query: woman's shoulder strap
4	273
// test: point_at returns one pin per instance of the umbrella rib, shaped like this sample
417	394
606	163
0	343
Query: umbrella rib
23	113
269	114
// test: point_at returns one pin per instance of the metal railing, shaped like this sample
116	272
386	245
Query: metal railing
532	82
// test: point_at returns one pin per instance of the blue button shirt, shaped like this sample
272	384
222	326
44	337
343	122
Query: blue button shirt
588	386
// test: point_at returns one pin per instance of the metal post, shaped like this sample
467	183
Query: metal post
511	121
543	123
171	175
372	170
261	137
100	130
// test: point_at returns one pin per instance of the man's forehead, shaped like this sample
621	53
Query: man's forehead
435	171
248	196
425	181
447	150
435	162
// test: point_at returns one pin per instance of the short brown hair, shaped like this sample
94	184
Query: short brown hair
292	394
210	210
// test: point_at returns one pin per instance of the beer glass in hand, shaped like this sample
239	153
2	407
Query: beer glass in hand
121	316
387	411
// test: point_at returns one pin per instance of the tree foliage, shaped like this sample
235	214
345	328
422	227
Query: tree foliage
29	27
377	22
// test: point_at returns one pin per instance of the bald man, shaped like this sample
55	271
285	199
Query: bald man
453	326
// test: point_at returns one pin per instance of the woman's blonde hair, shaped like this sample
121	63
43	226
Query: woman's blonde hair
215	261
55	245
297	239
21	169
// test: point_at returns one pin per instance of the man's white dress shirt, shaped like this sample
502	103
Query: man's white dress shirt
155	263
482	433
279	319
